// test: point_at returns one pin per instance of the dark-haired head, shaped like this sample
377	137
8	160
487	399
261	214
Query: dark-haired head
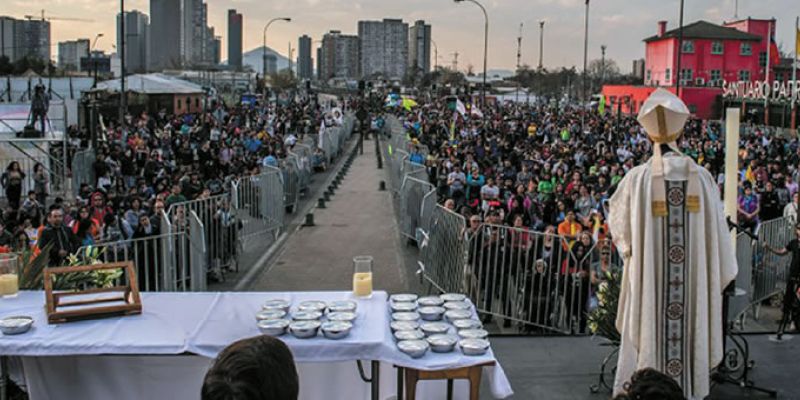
258	368
649	384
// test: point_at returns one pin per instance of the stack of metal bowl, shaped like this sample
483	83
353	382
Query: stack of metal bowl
271	319
436	323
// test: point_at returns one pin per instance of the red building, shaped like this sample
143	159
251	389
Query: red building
710	55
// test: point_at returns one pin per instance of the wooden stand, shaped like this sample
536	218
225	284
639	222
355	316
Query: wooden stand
472	373
56	304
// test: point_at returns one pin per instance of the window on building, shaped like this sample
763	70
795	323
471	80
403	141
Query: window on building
667	74
686	74
717	47
197	102
779	77
744	75
647	75
179	103
745	49
762	58
688	46
715	75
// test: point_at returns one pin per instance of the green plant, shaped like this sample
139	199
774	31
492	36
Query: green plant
602	320
32	268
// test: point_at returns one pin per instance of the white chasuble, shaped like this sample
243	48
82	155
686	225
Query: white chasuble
676	267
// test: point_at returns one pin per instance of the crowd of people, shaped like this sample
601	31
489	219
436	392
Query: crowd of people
514	168
147	166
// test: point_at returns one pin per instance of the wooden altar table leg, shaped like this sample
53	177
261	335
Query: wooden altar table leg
4	378
399	382
475	382
412	376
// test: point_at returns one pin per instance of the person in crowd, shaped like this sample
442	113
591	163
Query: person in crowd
31	208
749	209
790	210
60	240
791	294
40	181
770	204
257	368
12	183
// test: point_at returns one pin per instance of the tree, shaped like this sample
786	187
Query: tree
470	70
283	80
6	68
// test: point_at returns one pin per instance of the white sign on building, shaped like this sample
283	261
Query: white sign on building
762	90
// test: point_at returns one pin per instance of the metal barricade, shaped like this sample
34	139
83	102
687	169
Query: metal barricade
258	201
291	184
769	272
413	195
443	251
82	170
219	226
301	156
738	305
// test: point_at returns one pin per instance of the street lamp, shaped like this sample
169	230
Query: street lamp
585	55
485	46
435	55
264	54
99	35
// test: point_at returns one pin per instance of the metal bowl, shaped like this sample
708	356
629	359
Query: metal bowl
273	327
430	301
473	334
405	316
455	315
336	329
434	328
414	348
457	305
403	298
312	305
276	304
415	334
342	305
442	343
453	297
404	325
346	316
431	313
403	307
16	324
461	324
304	329
474	347
270	314
306	315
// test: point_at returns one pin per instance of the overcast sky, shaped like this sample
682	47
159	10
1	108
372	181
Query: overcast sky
619	24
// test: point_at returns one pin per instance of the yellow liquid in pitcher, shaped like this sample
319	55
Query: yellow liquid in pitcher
9	284
362	284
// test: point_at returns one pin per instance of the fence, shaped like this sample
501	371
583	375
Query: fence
170	261
82	169
259	204
416	196
300	155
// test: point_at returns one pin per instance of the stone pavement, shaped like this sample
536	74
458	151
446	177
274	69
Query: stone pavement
359	220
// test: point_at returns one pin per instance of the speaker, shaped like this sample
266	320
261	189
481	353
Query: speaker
30	132
361	85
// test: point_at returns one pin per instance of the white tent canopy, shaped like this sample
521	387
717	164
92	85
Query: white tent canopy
151	84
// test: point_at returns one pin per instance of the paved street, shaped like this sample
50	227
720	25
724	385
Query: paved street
359	220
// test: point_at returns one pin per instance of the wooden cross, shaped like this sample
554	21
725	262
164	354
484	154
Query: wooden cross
676	282
674	339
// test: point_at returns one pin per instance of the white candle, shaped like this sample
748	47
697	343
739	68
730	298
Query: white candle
731	192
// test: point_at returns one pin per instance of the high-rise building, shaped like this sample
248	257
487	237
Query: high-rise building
383	48
419	46
8	37
272	64
164	35
235	22
32	39
137	27
319	62
305	64
638	68
71	52
339	56
216	50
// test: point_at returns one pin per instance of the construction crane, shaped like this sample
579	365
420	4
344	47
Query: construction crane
30	17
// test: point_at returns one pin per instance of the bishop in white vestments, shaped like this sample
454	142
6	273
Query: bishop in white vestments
666	218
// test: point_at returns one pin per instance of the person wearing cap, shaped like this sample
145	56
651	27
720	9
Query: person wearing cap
666	220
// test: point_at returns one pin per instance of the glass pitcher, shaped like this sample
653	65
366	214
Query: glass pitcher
9	275
362	276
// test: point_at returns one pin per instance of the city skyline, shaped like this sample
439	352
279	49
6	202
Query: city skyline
458	27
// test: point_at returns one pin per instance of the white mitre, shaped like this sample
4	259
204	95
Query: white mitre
663	117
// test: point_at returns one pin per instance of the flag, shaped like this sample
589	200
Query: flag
749	175
460	108
409	103
476	111
601	107
797	43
